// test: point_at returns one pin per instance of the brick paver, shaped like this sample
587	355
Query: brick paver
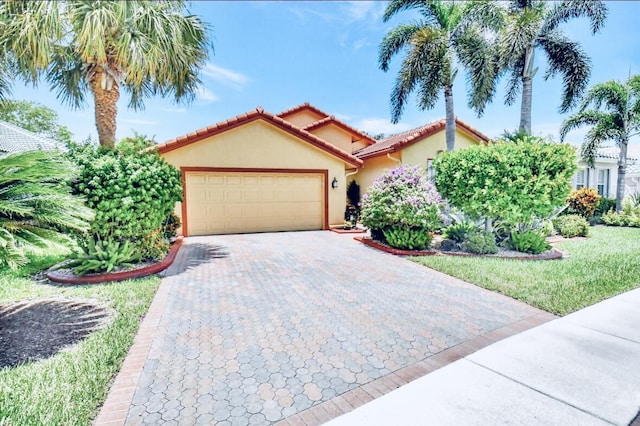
297	328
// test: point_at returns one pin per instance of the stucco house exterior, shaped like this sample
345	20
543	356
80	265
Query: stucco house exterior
603	176
14	139
264	172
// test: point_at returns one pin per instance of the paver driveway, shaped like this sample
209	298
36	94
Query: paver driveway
255	329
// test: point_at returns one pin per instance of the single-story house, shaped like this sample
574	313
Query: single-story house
263	172
14	139
603	176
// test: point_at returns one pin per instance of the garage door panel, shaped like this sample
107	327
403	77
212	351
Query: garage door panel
237	202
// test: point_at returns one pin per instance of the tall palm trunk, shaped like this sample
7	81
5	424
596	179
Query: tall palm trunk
105	95
450	129
527	89
622	171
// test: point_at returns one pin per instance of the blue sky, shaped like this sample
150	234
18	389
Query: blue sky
280	54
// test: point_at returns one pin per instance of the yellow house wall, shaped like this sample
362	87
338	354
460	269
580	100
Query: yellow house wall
261	145
335	136
420	152
373	167
304	118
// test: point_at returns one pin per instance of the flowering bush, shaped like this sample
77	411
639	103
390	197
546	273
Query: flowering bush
401	198
584	201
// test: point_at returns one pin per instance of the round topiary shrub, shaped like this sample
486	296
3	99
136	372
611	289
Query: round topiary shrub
402	198
571	225
479	242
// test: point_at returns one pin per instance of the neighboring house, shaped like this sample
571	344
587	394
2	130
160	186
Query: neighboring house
263	172
417	146
603	176
14	139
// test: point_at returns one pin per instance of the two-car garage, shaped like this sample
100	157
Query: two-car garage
237	201
258	173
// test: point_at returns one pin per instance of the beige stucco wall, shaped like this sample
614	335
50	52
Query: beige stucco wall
373	167
335	136
259	144
427	149
357	145
415	154
303	118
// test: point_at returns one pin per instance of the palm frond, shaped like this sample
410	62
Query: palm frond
396	6
514	85
567	58
396	40
582	118
520	33
613	94
595	138
594	10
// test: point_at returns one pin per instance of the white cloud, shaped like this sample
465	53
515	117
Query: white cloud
225	76
361	10
142	122
359	44
206	96
380	125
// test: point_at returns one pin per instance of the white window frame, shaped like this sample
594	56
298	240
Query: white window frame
602	182
581	179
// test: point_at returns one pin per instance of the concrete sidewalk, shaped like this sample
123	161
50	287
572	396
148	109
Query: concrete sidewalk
582	369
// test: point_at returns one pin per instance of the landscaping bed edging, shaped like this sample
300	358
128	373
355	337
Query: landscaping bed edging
552	254
347	231
122	275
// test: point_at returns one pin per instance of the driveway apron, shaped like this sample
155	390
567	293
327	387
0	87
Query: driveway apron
299	328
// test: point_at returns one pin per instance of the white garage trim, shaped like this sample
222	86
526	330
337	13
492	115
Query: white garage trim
323	174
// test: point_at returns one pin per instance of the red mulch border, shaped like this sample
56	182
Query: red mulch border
123	275
553	254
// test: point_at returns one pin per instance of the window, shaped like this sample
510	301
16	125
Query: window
431	174
603	182
581	179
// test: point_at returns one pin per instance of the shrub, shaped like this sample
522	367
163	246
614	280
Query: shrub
480	242
605	205
626	218
401	198
513	181
104	256
353	194
407	238
584	201
458	231
133	195
571	225
170	226
530	241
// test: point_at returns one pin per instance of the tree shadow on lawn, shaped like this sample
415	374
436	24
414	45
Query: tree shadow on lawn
35	330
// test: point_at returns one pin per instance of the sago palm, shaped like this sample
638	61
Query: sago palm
36	207
529	26
145	48
612	109
444	36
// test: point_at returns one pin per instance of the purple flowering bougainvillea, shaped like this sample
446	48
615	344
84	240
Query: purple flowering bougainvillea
402	198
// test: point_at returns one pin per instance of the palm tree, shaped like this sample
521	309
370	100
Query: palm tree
615	116
446	33
146	48
36	206
528	26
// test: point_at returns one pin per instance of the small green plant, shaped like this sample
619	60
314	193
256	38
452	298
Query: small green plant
407	238
458	231
584	201
571	225
530	241
605	205
479	242
101	256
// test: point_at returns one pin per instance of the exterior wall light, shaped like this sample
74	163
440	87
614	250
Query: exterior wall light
334	183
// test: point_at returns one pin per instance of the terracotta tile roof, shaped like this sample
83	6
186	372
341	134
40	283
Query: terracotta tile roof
14	139
258	113
360	136
396	142
301	107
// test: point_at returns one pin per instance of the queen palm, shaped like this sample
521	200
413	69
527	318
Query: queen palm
529	26
444	36
614	116
102	47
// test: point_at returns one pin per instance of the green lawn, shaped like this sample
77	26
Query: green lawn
606	264
69	387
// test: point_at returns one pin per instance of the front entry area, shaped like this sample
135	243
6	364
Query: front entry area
247	201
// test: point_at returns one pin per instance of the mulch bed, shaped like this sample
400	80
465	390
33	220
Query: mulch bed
505	254
37	329
66	276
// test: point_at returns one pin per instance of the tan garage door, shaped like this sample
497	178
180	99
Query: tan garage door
241	202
